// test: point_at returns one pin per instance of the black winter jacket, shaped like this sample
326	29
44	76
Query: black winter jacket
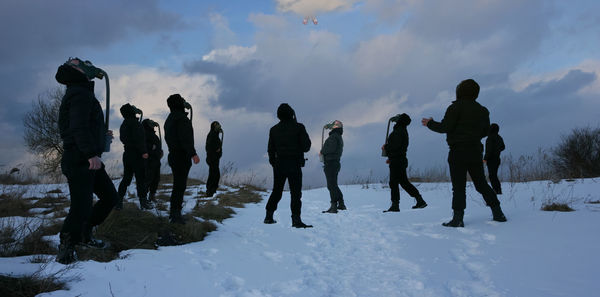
213	146
288	140
494	144
153	145
333	146
132	135
397	145
179	134
465	123
80	119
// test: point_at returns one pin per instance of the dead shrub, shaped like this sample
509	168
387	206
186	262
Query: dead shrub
557	207
211	211
30	285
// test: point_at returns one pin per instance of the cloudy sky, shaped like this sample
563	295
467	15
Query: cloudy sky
537	61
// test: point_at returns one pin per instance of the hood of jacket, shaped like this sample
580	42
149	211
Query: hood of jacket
494	129
467	89
285	112
176	103
68	75
127	111
339	131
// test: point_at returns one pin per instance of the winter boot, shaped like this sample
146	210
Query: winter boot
394	208
341	205
176	218
66	250
146	204
420	203
457	219
90	241
297	222
498	214
332	209
119	204
269	218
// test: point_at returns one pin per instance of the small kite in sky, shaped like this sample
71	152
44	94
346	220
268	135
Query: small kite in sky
314	20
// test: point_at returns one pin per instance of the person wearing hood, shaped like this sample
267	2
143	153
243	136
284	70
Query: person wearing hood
465	123
135	155
494	144
179	136
84	136
396	147
155	153
214	151
288	141
331	153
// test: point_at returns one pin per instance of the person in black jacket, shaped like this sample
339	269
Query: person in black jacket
84	134
288	141
494	144
135	155
155	153
213	155
465	123
331	153
179	135
396	147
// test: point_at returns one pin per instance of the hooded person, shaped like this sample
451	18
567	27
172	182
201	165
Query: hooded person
83	132
332	153
396	147
135	155
155	153
465	123
214	151
288	141
494	144
179	136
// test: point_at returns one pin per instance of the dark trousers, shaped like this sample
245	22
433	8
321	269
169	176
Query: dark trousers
133	163
331	169
153	175
461	162
180	166
493	166
290	170
214	174
83	184
398	177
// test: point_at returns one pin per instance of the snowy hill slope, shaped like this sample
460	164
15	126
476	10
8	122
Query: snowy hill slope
364	252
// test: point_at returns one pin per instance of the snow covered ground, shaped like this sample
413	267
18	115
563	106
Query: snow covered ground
364	252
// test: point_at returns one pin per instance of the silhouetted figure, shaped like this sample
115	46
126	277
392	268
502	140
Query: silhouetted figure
288	141
396	148
133	137
465	123
494	144
155	153
214	151
332	152
179	136
83	132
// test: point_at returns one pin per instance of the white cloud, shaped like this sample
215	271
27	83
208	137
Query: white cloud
232	55
313	7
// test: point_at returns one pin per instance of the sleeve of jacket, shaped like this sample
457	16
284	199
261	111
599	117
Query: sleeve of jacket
79	120
501	146
304	139
394	144
271	148
330	146
448	123
186	136
488	147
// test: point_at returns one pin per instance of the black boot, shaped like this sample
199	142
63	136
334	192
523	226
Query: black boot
151	197
420	203
297	222
394	208
269	218
332	209
498	214
90	241
457	219
341	205
119	204
146	204
176	218
66	250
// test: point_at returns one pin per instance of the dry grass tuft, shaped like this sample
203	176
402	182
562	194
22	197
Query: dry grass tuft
557	207
211	211
28	285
